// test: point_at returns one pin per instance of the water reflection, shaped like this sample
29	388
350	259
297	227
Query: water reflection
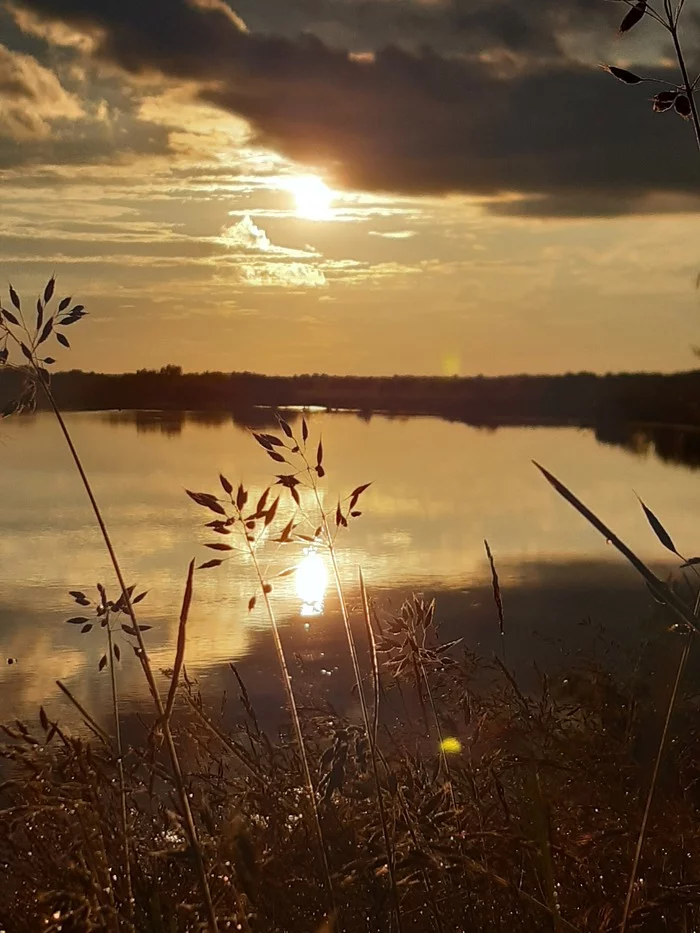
678	444
670	443
173	423
311	581
437	490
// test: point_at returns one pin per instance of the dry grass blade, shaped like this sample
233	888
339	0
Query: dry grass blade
659	530
496	589
91	723
181	641
658	587
373	657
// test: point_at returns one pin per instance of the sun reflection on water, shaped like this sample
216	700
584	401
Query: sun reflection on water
311	580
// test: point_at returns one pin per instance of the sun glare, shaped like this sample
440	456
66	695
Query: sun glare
311	580
312	196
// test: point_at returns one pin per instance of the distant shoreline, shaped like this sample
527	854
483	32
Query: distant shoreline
583	399
637	411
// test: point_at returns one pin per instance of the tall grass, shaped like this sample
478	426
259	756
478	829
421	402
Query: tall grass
15	332
546	784
253	526
522	816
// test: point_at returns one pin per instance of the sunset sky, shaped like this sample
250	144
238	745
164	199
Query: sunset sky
350	186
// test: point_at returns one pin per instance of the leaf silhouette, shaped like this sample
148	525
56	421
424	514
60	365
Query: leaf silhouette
634	16
659	530
682	106
207	501
664	101
48	327
627	77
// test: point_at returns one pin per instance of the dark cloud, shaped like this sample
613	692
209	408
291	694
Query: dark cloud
447	26
413	121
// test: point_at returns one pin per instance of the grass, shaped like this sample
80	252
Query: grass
546	785
492	808
496	809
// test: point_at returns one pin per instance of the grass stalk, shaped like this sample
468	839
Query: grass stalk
296	722
687	83
90	721
363	702
440	737
371	641
543	832
660	589
146	666
688	616
372	739
124	812
641	835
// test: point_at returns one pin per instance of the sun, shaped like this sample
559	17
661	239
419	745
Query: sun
312	196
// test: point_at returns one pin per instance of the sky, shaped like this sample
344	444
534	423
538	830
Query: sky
351	186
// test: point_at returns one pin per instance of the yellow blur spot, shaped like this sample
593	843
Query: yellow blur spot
451	746
451	365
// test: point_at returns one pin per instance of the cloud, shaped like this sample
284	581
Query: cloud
394	234
55	32
463	26
246	236
282	275
31	98
520	117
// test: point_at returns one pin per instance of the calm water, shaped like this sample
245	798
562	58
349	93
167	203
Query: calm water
438	490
